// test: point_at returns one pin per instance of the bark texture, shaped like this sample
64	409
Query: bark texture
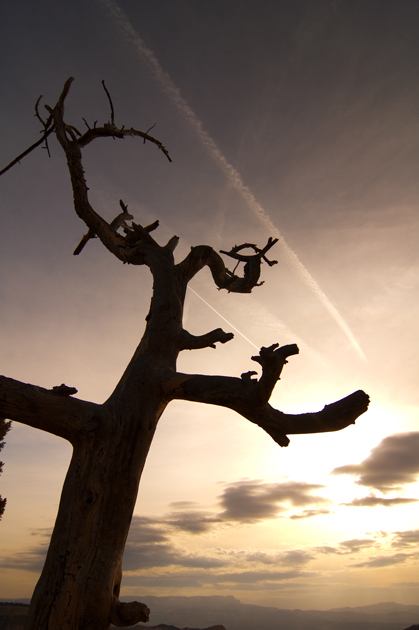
80	582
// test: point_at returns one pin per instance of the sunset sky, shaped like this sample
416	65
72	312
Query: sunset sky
297	119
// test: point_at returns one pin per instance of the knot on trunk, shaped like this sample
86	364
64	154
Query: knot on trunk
124	614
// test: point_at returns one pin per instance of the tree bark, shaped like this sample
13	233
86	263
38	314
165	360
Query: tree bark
80	582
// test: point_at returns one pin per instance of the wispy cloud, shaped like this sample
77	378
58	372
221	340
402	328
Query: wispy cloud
373	501
149	546
408	538
385	561
31	559
309	514
354	545
391	464
233	176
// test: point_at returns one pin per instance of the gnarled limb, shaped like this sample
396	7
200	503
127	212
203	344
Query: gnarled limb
204	256
272	360
115	224
333	417
192	342
249	397
47	409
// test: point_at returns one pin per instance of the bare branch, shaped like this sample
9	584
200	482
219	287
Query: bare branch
110	103
203	255
192	342
272	360
38	115
115	224
234	252
49	410
239	395
28	150
110	131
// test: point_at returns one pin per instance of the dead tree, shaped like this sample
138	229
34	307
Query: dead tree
80	582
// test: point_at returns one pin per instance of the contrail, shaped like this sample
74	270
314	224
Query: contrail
233	176
222	317
308	351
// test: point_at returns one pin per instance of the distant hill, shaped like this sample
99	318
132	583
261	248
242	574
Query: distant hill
177	613
204	612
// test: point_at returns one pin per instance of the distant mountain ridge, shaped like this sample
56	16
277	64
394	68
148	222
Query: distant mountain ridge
204	612
211	613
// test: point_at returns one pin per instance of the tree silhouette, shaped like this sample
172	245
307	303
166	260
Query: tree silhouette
80	582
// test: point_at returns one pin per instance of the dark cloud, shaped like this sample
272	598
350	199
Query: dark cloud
226	579
147	530
141	556
30	560
149	546
193	522
327	549
408	538
167	580
296	557
384	561
373	501
354	545
183	505
391	464
255	577
253	501
309	514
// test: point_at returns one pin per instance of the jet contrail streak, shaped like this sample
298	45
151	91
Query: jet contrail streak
226	320
233	176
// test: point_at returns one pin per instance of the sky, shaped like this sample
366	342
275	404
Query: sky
297	119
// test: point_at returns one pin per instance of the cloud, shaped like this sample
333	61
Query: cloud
394	462
354	545
149	546
296	557
373	501
385	561
253	501
408	538
309	514
266	580
31	559
193	522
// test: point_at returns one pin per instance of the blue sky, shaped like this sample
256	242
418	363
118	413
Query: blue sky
290	118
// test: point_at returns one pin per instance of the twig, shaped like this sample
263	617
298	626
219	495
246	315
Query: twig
25	153
110	103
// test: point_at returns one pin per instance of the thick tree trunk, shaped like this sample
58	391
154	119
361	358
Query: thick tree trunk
82	572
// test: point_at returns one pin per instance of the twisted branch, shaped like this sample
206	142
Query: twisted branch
204	256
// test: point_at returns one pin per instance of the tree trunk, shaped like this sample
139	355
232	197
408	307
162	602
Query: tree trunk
82	572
